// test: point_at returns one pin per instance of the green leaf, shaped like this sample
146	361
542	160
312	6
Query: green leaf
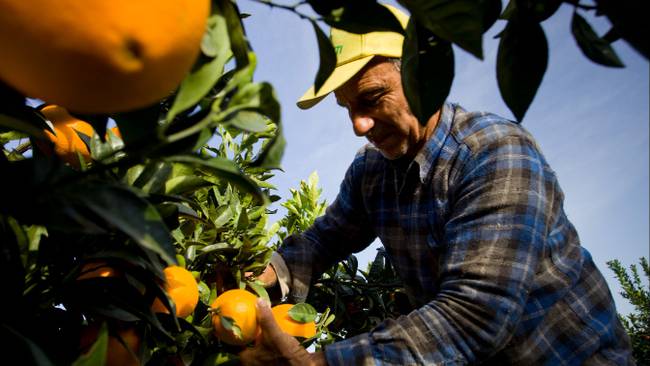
222	359
327	57
235	31
229	324
457	21
98	351
132	215
185	184
216	248
248	121
376	268
259	97
358	16
25	126
139	128
258	287
427	71
271	156
521	63
243	221
630	19
303	313
595	48
196	85
215	40
543	9
222	168
154	177
491	9
204	292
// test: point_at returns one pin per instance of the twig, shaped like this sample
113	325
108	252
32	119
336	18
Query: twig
292	8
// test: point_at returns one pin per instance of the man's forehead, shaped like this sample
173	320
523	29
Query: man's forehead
365	81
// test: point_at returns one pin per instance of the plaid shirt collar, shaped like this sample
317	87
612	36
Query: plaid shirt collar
427	156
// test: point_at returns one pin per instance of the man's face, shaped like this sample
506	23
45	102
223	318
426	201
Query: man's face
379	110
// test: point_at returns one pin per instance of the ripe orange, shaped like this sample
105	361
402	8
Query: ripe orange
288	325
239	306
116	353
100	56
66	141
183	290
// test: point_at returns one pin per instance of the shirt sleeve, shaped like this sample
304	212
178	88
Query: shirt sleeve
342	230
503	201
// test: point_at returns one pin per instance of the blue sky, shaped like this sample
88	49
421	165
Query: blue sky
590	121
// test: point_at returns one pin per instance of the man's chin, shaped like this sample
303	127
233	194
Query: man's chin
392	155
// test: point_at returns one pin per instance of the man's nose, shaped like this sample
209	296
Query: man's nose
361	124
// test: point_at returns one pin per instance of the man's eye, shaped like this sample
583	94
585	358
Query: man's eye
371	102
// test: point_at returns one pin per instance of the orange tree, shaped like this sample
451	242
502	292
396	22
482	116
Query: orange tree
158	196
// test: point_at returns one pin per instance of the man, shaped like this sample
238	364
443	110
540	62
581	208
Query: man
472	219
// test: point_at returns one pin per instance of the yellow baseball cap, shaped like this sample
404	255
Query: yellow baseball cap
353	52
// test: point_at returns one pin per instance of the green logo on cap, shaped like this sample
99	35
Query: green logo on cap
338	49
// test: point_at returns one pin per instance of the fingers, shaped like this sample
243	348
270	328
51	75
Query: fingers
266	320
268	276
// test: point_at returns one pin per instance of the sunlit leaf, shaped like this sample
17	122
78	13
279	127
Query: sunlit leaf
196	85
229	324
258	287
248	121
238	40
303	313
222	168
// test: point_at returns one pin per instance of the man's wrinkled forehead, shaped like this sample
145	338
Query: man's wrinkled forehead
366	81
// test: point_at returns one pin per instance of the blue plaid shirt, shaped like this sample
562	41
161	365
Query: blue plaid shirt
476	229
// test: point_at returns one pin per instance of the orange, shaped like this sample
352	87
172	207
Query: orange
66	141
288	325
99	56
239	306
181	286
116	353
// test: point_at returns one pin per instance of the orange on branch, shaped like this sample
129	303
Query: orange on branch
99	56
240	324
67	142
290	326
182	288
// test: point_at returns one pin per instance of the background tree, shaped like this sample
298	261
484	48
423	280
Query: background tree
637	324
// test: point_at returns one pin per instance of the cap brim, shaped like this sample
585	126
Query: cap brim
340	75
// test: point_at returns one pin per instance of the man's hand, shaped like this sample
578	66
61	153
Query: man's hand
274	347
268	276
